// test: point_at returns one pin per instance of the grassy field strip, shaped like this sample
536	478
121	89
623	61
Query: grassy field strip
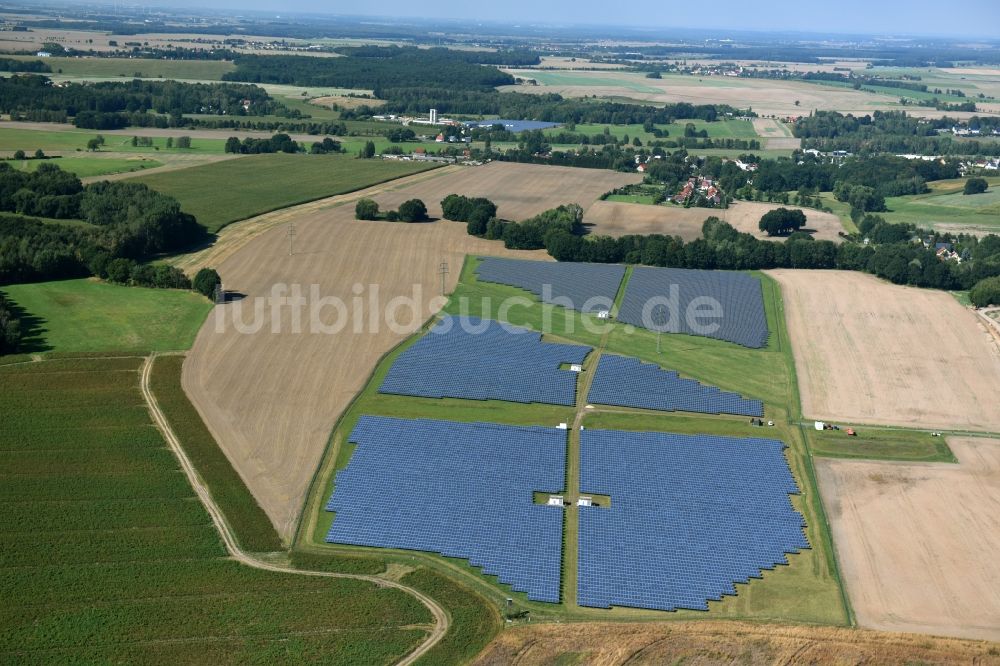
441	618
234	236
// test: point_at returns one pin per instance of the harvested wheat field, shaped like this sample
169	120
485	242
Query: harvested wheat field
271	398
518	190
607	644
613	218
918	542
867	351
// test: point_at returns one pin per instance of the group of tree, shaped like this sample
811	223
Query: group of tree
411	210
884	132
986	292
533	233
279	143
476	211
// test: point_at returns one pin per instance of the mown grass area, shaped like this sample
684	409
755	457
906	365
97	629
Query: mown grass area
880	444
647	199
108	557
251	525
808	590
221	193
86	167
129	68
14	138
720	129
91	316
946	204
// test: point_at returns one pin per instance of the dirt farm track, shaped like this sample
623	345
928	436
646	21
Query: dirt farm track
867	351
918	542
272	398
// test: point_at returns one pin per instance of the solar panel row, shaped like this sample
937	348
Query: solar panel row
484	360
578	286
459	489
628	382
716	304
690	516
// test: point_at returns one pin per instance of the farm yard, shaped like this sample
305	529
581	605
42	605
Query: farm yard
867	351
916	541
613	218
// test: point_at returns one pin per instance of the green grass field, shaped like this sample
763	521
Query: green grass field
14	138
721	129
91	316
86	166
211	70
108	557
880	444
806	591
225	192
945	204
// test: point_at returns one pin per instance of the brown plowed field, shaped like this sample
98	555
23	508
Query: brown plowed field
271	399
918	542
613	218
867	351
519	190
609	644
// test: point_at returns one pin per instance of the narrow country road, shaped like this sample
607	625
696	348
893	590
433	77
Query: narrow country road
441	620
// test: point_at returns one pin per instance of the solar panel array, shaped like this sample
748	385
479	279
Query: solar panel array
481	359
628	382
459	489
742	320
690	516
578	286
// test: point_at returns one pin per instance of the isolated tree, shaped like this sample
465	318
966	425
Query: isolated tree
183	142
975	186
39	155
170	142
19	155
205	281
782	221
233	145
413	210
93	145
366	209
368	151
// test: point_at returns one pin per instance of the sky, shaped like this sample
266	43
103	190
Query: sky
972	18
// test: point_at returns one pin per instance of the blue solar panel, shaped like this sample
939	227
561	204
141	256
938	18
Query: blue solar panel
690	517
664	298
480	359
628	382
577	286
459	489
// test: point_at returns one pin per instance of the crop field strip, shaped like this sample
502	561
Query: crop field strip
578	286
461	490
477	359
690	517
106	555
742	319
628	382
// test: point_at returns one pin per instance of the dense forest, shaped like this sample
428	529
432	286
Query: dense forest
128	222
110	105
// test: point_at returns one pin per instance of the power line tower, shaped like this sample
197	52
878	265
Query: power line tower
291	238
443	272
659	322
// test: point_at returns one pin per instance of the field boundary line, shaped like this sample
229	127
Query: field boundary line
442	621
